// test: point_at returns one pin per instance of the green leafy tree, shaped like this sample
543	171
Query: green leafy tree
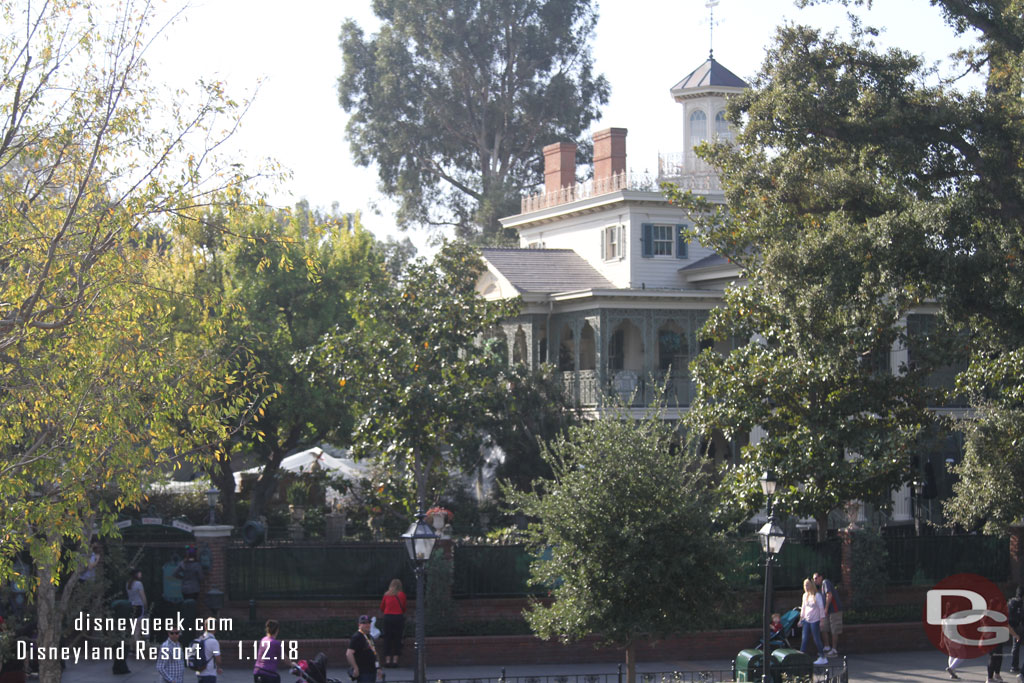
420	377
859	192
624	534
452	102
277	281
528	409
92	385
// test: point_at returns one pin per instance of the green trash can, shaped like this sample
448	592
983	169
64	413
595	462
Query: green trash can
747	666
796	665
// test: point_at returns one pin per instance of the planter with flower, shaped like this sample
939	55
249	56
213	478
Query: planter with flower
438	517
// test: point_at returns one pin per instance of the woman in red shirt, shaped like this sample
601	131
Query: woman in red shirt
392	605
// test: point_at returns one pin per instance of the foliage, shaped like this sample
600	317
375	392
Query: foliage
277	280
991	474
420	379
93	386
859	192
190	505
869	557
533	409
440	606
626	523
452	102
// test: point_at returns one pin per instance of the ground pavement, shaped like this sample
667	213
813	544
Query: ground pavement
919	665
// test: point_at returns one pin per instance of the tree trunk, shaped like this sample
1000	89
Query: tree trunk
49	625
263	489
224	479
631	662
822	524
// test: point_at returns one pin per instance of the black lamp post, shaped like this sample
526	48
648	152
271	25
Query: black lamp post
772	537
917	486
211	499
419	542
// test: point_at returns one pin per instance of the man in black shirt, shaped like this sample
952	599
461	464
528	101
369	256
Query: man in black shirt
362	654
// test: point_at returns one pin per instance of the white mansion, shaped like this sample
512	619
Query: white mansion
612	295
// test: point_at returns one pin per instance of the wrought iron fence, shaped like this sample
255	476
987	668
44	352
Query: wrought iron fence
492	571
924	560
350	571
796	562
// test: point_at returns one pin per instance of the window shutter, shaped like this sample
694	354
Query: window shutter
622	242
682	246
604	239
648	240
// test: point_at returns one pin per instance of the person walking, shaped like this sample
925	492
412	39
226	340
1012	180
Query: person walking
392	606
268	656
812	608
362	654
191	574
832	620
211	651
137	598
171	661
1015	618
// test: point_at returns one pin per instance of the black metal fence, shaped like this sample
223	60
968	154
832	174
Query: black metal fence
491	571
362	571
924	560
796	562
309	572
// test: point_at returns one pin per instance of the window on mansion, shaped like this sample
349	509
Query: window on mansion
723	131
698	128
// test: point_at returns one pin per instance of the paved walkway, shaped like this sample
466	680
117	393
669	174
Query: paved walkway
922	665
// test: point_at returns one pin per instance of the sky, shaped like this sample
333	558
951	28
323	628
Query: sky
290	51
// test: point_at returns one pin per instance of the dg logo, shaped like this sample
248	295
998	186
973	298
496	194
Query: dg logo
965	616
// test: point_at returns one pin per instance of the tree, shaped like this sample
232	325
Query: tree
528	409
92	387
452	101
277	281
419	375
624	534
857	193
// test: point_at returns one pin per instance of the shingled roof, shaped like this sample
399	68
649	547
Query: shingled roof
545	271
710	261
710	74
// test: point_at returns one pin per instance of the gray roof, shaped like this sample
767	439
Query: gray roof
710	74
707	262
545	271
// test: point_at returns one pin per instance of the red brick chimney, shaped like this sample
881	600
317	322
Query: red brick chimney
609	154
559	166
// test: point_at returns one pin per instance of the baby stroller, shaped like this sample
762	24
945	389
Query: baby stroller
781	637
313	670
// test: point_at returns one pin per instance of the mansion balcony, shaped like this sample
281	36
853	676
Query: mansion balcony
586	388
626	180
688	172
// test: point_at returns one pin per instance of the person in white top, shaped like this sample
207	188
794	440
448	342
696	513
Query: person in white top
812	608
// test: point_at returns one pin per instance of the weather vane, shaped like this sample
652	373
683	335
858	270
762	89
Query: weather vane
711	4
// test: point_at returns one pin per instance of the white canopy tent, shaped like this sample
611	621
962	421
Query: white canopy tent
313	459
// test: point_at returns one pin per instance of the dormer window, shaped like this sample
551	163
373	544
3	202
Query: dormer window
664	239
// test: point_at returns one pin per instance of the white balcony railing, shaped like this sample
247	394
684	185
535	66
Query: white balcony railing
688	172
592	188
